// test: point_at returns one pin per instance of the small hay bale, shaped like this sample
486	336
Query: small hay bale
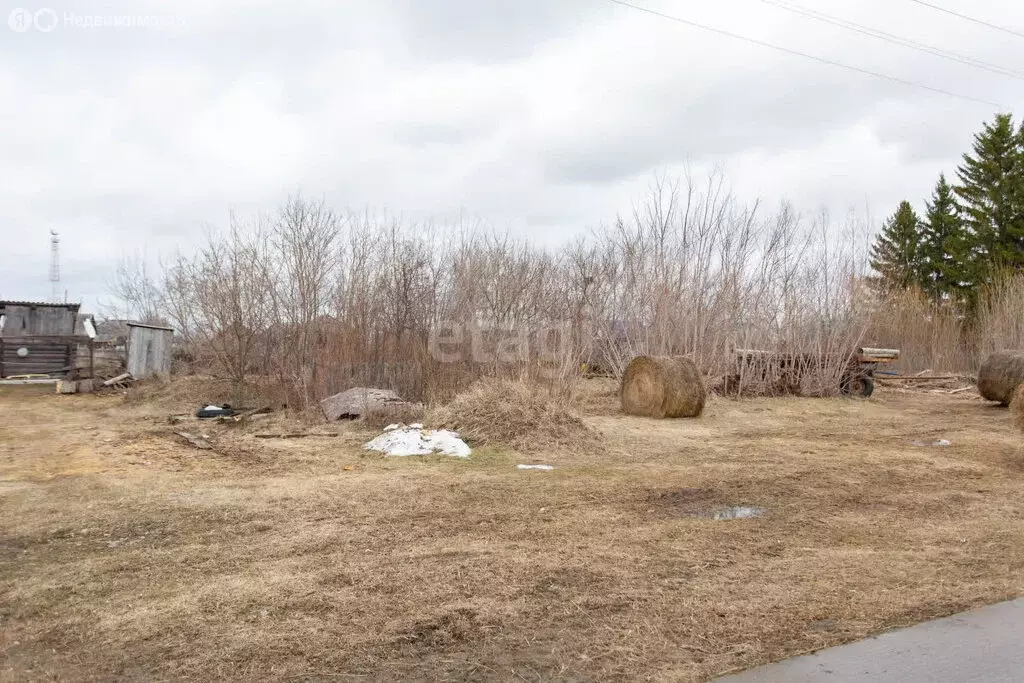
1017	407
660	386
1000	375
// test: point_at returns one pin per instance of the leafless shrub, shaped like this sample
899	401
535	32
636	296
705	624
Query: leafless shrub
1001	315
315	302
930	336
222	298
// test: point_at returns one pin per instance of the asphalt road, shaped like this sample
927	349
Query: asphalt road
984	645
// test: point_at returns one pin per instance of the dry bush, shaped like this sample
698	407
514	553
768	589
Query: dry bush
515	414
1001	315
930	336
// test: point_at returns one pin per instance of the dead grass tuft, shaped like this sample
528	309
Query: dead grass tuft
598	396
179	394
681	502
1017	407
516	414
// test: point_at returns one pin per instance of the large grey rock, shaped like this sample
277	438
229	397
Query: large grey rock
348	405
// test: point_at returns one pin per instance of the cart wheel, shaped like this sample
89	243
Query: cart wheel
858	386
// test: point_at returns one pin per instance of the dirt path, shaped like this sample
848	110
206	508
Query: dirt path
125	553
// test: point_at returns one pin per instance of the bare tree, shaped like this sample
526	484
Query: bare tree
136	294
307	251
223	297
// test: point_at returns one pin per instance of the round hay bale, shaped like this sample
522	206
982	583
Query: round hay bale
659	386
1000	375
1017	407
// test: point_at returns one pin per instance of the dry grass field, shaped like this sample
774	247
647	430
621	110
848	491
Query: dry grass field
125	553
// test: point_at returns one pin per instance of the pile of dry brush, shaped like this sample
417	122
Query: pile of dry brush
510	413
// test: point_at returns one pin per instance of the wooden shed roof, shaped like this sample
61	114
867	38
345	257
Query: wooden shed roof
39	304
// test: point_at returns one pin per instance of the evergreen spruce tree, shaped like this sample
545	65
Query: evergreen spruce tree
946	251
991	193
895	255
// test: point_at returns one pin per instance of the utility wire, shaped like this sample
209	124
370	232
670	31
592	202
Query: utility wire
822	60
997	27
892	38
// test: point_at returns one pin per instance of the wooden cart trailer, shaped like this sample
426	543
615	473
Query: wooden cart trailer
782	373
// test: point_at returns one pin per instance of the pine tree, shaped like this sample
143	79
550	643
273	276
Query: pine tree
895	256
948	264
991	193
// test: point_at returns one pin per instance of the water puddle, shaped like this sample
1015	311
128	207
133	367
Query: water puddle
698	503
741	512
938	443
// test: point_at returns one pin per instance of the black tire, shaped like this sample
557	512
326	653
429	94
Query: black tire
861	385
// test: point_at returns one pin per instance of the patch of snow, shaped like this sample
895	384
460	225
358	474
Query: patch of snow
546	468
213	408
406	441
416	425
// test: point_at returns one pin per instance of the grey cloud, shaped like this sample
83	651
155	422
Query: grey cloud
543	117
488	31
930	135
758	112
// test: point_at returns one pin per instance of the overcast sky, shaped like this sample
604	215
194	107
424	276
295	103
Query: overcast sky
545	117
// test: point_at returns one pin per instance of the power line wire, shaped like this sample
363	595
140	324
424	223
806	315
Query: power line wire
997	27
892	38
823	60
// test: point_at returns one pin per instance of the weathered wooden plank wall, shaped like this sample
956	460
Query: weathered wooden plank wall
149	350
29	320
38	359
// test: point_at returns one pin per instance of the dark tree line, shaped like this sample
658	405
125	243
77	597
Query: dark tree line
970	231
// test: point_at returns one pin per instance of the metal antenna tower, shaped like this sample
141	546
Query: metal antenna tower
54	267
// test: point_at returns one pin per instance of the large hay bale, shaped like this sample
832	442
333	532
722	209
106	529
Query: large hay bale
1017	407
1000	375
659	386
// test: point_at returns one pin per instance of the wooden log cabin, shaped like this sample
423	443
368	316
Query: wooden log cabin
43	339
